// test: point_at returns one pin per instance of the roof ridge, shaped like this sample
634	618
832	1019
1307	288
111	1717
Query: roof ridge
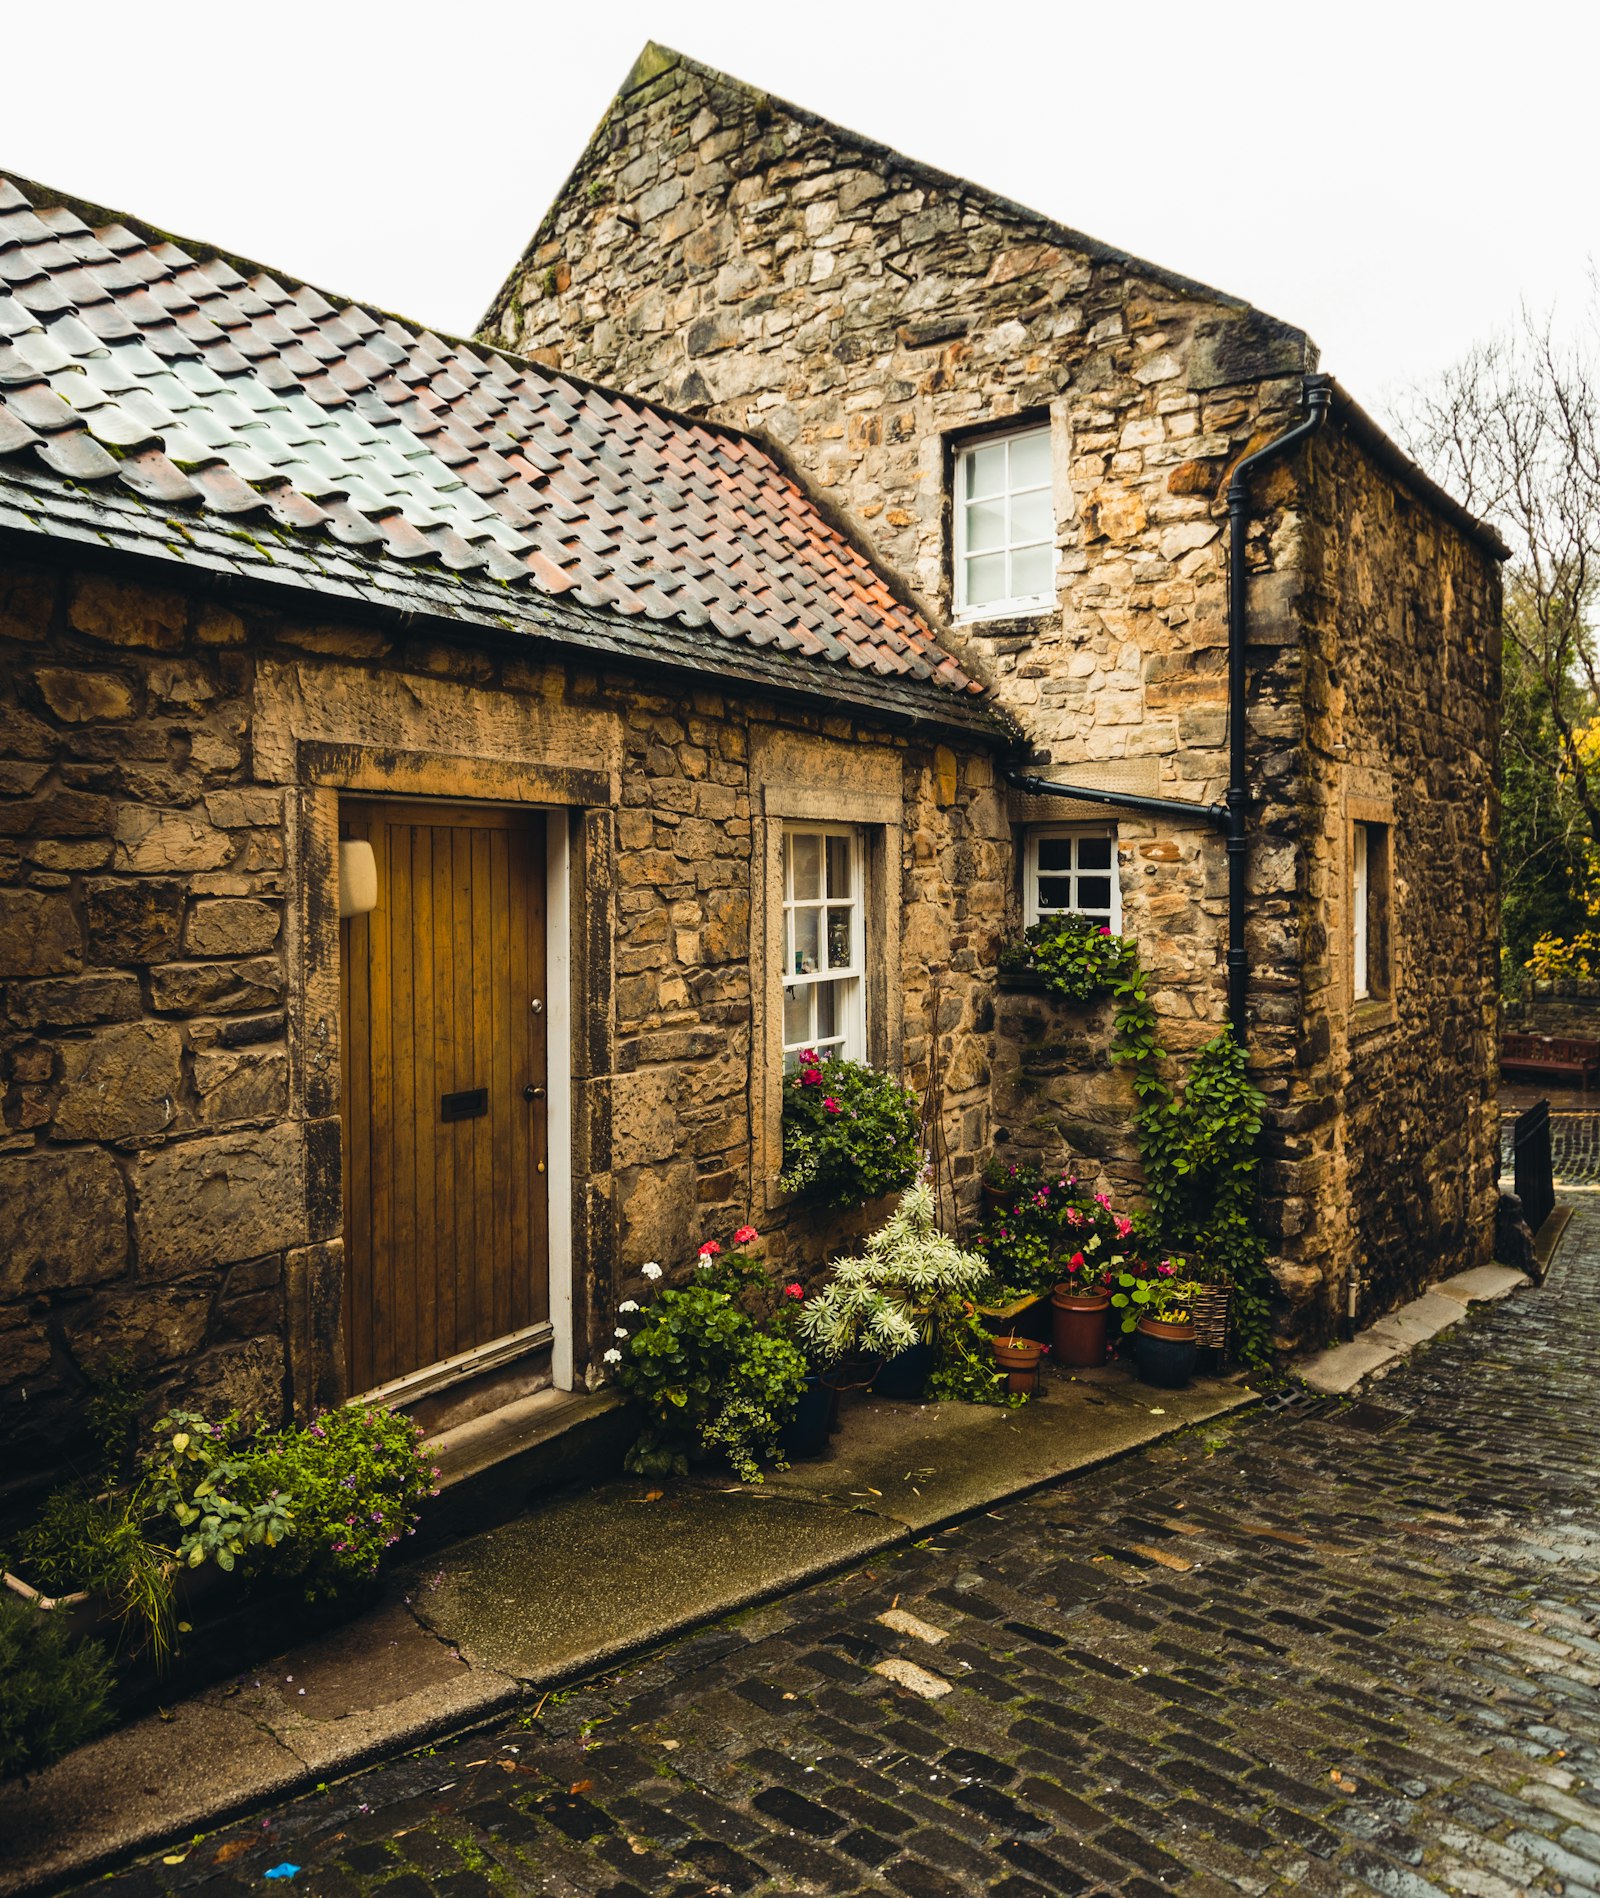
655	58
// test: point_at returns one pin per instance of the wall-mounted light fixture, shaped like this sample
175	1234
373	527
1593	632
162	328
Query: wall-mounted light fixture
358	878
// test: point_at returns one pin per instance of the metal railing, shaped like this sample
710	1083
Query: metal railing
1531	1164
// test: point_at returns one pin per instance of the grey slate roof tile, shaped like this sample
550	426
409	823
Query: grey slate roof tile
441	466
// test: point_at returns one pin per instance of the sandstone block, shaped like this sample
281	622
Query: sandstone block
63	1221
39	934
241	1084
231	926
218	1199
133	922
240	810
151	841
27	602
124	615
79	698
218	988
120	1082
75	1001
154	1326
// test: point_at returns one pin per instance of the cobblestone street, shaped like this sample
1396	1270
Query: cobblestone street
1332	1649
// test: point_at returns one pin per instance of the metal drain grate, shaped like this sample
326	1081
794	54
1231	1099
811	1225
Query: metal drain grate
1376	1420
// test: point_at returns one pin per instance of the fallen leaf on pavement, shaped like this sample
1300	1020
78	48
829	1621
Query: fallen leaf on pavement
654	1495
234	1849
582	1786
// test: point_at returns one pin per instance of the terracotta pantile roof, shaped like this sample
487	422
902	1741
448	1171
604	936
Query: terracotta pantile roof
207	393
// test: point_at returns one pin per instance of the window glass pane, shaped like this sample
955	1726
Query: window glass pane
841	938
1055	853
807	941
796	1015
1031	517
805	866
986	526
1032	572
1094	893
986	580
986	469
1030	458
839	866
1094	853
1055	893
829	1015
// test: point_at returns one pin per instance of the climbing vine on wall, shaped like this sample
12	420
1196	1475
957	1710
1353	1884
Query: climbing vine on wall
1200	1146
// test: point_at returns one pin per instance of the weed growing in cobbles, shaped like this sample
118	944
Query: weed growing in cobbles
1317	1651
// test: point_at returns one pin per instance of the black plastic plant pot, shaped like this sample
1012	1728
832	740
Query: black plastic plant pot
906	1374
806	1432
1161	1358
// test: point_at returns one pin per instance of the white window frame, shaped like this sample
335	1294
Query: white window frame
1012	607
1360	917
850	1036
1032	912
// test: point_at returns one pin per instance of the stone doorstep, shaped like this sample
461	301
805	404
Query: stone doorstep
463	1636
1340	1368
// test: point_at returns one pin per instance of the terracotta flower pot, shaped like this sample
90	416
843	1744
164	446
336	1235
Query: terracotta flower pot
1080	1321
1020	1359
1164	1353
998	1199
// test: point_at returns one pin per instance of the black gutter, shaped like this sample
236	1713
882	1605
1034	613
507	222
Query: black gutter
1319	398
1124	800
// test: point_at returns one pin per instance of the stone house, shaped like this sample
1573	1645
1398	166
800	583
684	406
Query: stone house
1041	437
422	764
416	769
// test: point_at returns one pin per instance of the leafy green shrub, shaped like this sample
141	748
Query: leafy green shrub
53	1690
965	1372
320	1504
705	1374
900	1292
1054	1229
849	1133
1158	1291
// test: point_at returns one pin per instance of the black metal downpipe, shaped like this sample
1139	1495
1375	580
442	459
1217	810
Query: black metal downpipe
1319	398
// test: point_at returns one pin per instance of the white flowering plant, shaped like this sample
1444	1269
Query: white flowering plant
706	1375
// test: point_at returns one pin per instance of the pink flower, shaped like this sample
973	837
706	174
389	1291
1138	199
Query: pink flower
1164	1269
1100	1199
811	1077
1074	1217
794	1291
745	1235
710	1249
1105	929
1123	1224
830	1105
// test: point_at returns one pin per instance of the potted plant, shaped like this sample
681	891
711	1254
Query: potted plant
1056	1232
890	1303
1020	1359
1080	1310
1003	1180
1156	1309
849	1132
707	1377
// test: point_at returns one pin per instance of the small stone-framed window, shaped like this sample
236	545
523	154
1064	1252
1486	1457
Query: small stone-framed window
824	954
1072	870
1369	912
1005	526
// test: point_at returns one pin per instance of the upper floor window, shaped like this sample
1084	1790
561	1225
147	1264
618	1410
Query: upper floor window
823	951
1369	912
1005	528
1072	872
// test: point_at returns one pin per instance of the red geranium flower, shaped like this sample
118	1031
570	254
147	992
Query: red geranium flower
811	1077
831	1105
1076	1261
794	1291
745	1235
710	1249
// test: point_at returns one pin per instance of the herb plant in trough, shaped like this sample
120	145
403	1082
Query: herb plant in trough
849	1132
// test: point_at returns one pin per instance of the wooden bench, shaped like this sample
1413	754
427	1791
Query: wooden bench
1557	1057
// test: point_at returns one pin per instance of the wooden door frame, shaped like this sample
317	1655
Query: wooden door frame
555	1331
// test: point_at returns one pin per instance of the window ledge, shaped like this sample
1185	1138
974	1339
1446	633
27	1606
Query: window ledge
1020	609
1370	1014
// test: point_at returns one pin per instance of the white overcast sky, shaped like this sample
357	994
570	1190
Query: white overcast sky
1395	178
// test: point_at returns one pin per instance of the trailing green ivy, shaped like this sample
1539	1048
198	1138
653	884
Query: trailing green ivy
1200	1148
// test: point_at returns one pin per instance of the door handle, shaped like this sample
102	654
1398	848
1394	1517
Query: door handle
532	1093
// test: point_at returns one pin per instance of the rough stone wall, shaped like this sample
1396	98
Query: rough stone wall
1395	1128
715	249
169	1141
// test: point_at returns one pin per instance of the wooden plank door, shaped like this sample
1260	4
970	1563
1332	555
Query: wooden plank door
445	1122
